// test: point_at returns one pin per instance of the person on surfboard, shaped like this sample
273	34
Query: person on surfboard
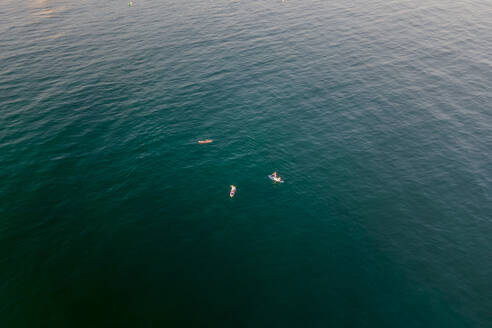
276	178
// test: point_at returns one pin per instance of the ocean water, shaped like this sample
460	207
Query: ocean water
378	115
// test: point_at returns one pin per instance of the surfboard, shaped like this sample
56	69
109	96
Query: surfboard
273	179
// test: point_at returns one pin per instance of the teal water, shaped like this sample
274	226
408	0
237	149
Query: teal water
377	113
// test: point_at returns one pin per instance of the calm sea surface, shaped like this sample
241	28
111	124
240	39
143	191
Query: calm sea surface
377	113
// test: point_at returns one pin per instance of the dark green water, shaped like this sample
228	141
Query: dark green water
377	113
